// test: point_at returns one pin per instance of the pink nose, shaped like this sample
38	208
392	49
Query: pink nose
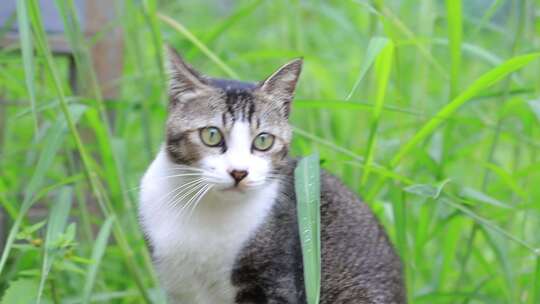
238	175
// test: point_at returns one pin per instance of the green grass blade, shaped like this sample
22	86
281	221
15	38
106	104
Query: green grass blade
375	46
58	216
8	24
88	78
453	15
536	280
230	21
492	9
56	225
450	244
383	67
87	164
400	223
500	251
341	104
52	143
22	291
485	81
386	13
199	44
27	49
97	255
488	224
150	15
307	186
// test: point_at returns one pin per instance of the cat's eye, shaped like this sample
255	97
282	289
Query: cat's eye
211	136
263	142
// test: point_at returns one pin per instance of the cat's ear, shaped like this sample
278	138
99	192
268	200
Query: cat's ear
185	82
280	86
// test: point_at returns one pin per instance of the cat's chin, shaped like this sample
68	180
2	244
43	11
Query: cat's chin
234	189
233	193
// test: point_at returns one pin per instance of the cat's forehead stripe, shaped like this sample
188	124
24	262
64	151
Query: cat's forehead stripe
240	104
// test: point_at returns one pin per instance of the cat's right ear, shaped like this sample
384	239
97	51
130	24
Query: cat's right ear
185	83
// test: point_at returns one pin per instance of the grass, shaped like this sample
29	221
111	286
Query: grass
308	188
429	110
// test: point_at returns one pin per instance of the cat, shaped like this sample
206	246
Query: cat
217	205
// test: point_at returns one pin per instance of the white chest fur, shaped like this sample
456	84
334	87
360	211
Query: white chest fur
195	251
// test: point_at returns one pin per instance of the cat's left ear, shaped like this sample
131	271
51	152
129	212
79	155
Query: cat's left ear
280	86
185	82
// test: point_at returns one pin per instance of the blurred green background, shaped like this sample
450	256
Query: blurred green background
429	110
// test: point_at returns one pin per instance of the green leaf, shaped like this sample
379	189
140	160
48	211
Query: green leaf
426	190
453	9
97	255
198	43
486	223
375	46
485	81
22	291
307	187
27	49
383	66
422	190
535	107
59	216
240	13
450	240
55	228
89	169
536	279
52	143
29	230
482	197
500	249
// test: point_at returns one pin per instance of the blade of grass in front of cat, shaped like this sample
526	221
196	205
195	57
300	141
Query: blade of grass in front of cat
307	187
56	225
383	66
100	245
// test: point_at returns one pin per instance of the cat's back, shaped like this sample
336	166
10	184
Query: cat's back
359	265
358	259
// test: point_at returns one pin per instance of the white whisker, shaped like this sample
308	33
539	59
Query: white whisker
184	188
174	190
193	199
198	199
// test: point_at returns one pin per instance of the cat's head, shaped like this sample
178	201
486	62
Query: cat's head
236	134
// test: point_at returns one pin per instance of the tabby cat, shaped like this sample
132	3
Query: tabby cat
218	206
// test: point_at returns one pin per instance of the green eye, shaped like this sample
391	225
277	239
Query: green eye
211	136
263	142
